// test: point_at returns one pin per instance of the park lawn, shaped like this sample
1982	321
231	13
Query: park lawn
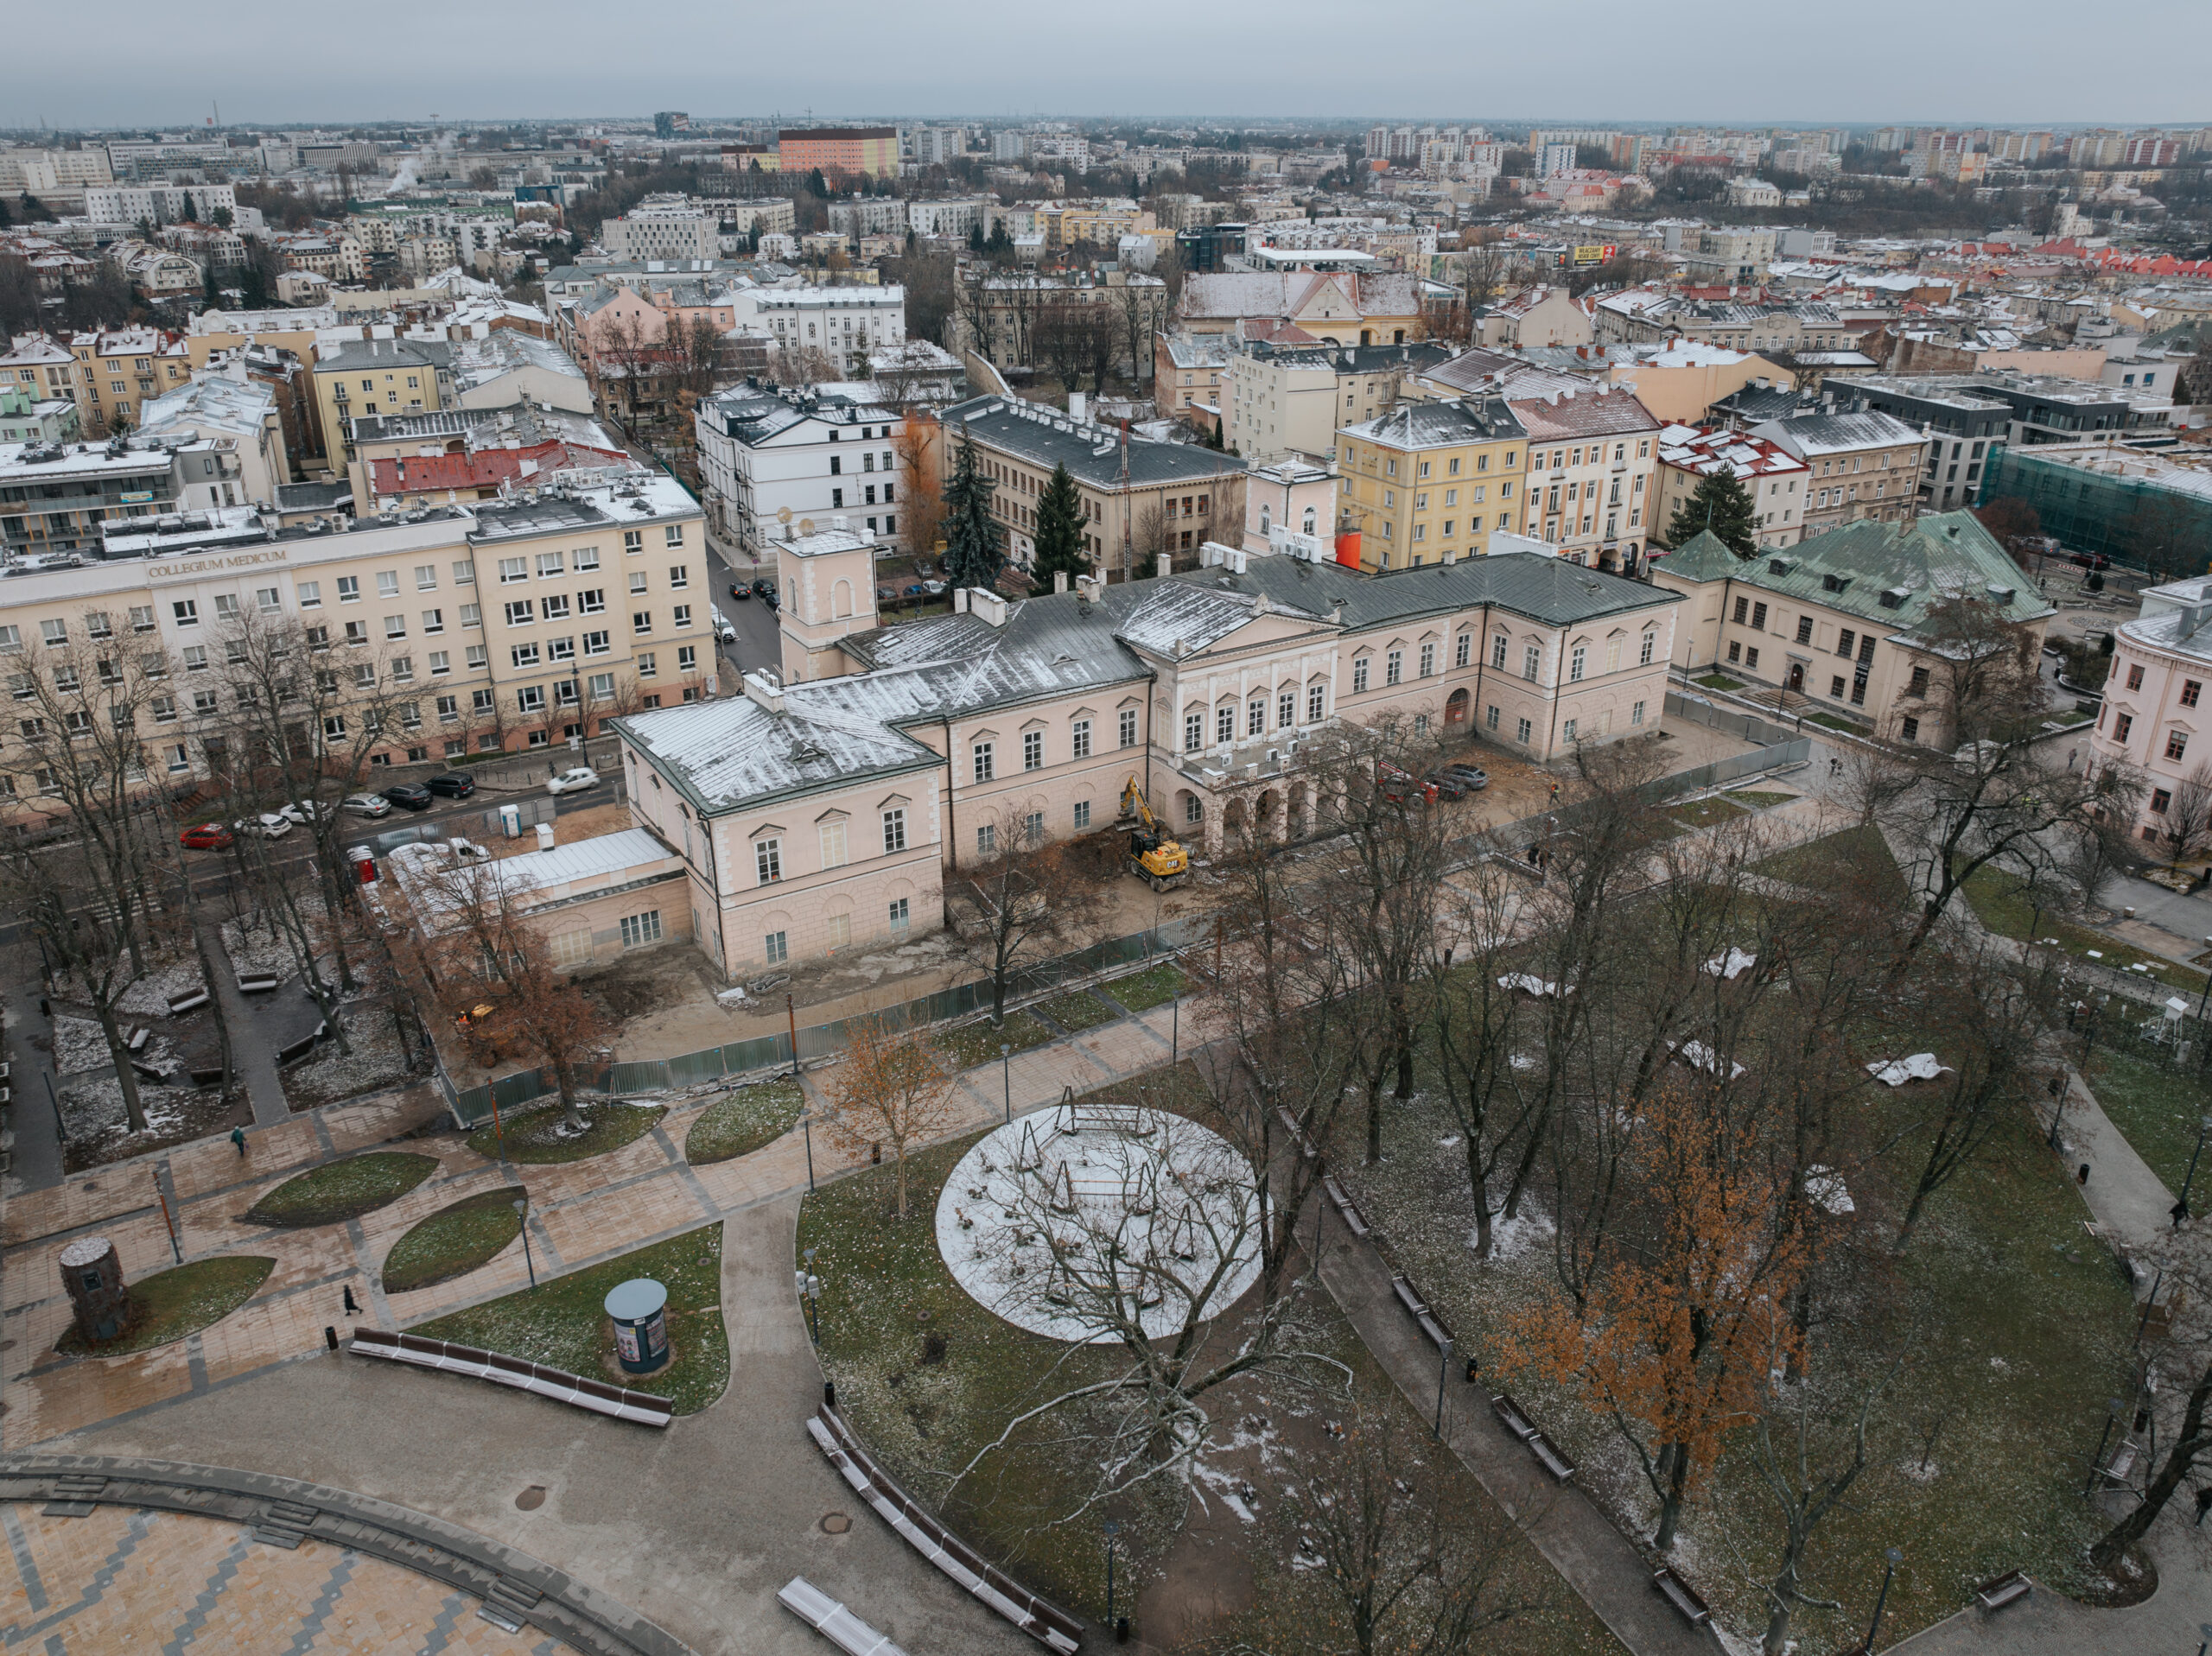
2155	1107
1703	813
978	1042
1864	850
454	1240
534	1135
1837	721
1076	1013
741	1122
924	1409
1155	986
2002	905
171	1304
343	1190
563	1321
1760	799
1720	682
2020	1329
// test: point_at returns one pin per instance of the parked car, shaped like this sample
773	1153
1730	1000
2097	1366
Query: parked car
413	795
760	588
723	629
269	825
205	836
739	591
1394	783
574	780
769	596
917	591
933	588
366	805
1447	786
303	813
2093	560
452	784
1473	776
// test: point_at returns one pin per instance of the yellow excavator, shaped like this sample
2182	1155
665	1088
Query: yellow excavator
1155	856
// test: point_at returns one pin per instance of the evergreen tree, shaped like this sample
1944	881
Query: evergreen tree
972	557
975	237
1722	504
1059	531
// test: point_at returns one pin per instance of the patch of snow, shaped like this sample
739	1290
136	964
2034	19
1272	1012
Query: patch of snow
1920	1066
1509	1238
1732	965
1825	1187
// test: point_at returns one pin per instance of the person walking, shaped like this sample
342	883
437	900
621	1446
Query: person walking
237	1138
352	1308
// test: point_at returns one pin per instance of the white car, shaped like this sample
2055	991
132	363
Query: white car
269	825
574	780
366	805
467	850
303	813
723	629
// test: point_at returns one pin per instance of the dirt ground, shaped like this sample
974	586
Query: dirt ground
568	829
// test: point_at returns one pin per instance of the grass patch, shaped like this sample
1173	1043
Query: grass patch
563	1321
927	1377
742	1121
1759	799
454	1240
169	1304
978	1044
1079	1012
341	1190
1862	850
2002	904
1837	721
1155	986
537	1135
2156	1107
1703	813
1720	681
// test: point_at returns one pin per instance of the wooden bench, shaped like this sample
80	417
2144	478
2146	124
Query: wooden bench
148	1072
139	1036
1347	1209
189	1001
1512	1416
599	1397
1305	1147
1409	1297
1684	1597
2122	1462
1551	1458
2008	1588
258	983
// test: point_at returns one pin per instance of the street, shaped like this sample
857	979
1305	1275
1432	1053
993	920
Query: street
758	635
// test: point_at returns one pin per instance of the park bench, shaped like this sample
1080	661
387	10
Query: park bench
1290	1124
139	1036
1347	1209
148	1072
258	983
190	1000
1512	1416
832	1620
1551	1458
1684	1597
2122	1462
2008	1588
1409	1297
558	1384
921	1529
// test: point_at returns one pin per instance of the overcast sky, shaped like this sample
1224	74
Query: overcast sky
2029	63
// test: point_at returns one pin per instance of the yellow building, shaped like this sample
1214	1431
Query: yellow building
120	370
366	377
1432	482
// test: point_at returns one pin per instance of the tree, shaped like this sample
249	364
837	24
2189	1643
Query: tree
2013	521
1722	504
1060	533
973	549
889	1090
1024	898
2188	813
922	505
1398	1563
1059	340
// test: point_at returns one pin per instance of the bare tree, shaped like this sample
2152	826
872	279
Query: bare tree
889	1090
1021	899
2189	814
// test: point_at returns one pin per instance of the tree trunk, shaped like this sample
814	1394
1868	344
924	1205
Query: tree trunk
1912	1218
2189	1443
1484	1219
1670	1503
899	1156
1777	1620
1401	1032
1512	1208
125	1077
565	1077
1373	1119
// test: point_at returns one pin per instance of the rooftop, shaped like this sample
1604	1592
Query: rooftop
1046	437
1439	425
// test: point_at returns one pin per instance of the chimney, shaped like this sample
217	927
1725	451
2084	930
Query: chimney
1166	565
1078	407
837	522
1090	589
960	601
991	606
766	688
1059	580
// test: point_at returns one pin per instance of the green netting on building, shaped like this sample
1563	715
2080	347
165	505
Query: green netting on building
2139	520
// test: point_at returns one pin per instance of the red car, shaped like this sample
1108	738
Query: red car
207	836
1394	785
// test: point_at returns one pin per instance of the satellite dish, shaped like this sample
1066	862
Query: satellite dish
782	514
806	526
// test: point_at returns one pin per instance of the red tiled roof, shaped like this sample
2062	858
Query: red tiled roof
485	469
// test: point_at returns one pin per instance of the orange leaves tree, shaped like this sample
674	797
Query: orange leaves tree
1691	1311
890	1090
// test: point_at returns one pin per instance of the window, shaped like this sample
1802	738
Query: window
472	615
521	613
1128	727
1194	732
1256	717
1908	730
985	761
513	569
1520	731
1032	828
1743	608
349	589
894	830
987	840
464	572
195	658
1315	700
1918	686
775	947
2134	677
185	609
593	602
1466	649
142	615
1636	714
832	838
426	577
2176	743
1758	617
1736	651
1804	629
530	698
679	575
648	664
395	626
682	616
673	534
1498	646
1751	659
1033	750
687	658
1844	641
1532	662
1079	740
641	622
767	861
2190	688
1429	660
1359	674
551	564
481	700
555	607
388	583
1566	730
1577	661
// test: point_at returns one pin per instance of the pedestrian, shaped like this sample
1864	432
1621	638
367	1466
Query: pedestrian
1835	766
353	1307
2203	1504
2082	1178
237	1138
1474	1369
2179	1212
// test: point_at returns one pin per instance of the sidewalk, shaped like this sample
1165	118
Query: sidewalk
253	1061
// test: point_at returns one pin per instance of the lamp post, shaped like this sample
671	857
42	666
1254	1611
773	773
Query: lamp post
1113	1528
1443	1368
522	1213
1890	1568
1006	1079
2181	1208
60	1126
811	1291
1175	1028
2207	995
806	1124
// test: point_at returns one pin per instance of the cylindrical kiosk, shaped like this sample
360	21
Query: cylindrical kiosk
365	863
91	1275
638	1309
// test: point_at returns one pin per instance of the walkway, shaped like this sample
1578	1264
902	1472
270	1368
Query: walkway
253	1060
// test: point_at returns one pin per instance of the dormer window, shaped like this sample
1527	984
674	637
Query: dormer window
1894	597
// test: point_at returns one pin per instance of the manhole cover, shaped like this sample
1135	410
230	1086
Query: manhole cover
835	1524
532	1498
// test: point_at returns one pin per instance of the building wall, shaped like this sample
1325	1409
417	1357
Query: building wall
1402	515
2152	696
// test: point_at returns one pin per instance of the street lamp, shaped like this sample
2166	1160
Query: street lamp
1443	1368
522	1214
60	1125
1175	1028
2207	995
2181	1208
1112	1526
807	1125
1894	1558
2113	1408
1006	1078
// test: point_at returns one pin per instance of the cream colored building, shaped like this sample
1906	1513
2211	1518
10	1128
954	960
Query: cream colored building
1432	482
1281	399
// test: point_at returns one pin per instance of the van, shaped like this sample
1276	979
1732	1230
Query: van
723	629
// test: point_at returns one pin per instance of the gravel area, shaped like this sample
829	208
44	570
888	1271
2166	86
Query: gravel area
326	1075
80	1046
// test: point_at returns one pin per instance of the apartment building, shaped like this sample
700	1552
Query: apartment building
1344	307
1537	316
839	152
777	463
1727	257
1846	617
501	626
58	499
1000	321
118	369
27	417
158	204
847	323
2154	701
1171	497
354	378
1592	470
1863	465
868	215
822	811
1778	481
1278	398
1430	482
1187	370
665	234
